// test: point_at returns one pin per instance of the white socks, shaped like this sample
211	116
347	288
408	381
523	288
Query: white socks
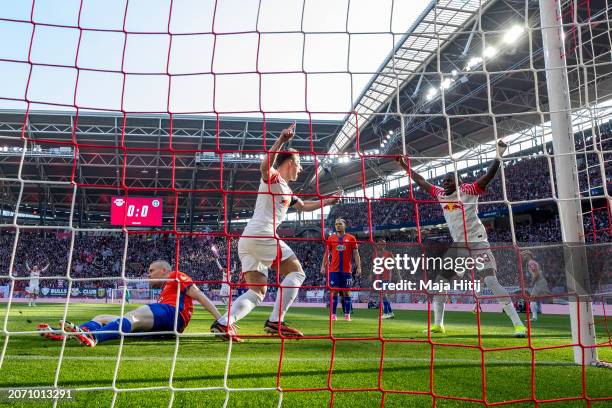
498	290
533	310
242	307
289	294
438	303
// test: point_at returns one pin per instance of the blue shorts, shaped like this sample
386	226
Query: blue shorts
340	280
163	318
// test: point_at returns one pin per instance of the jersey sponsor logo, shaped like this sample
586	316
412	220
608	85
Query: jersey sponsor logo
451	207
340	247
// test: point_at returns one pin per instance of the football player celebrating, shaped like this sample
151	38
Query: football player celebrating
467	234
259	248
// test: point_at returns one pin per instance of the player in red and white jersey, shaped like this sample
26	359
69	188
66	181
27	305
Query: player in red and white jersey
469	235
259	248
34	286
171	312
539	286
380	251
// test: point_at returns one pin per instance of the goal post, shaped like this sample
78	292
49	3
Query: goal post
567	184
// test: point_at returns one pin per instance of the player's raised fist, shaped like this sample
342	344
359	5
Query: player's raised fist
501	147
403	161
287	134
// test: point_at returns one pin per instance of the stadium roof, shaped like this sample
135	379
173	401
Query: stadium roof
140	155
447	98
438	22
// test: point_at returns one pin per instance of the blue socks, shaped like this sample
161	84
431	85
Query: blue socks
335	303
113	327
386	306
347	305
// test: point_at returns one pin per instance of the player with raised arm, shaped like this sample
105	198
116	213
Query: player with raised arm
34	284
343	248
225	293
259	248
172	311
387	276
470	235
539	286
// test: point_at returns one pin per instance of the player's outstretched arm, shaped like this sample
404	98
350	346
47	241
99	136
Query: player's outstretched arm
484	181
195	293
416	177
45	268
270	158
314	204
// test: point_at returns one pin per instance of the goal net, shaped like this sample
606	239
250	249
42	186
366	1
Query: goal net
133	131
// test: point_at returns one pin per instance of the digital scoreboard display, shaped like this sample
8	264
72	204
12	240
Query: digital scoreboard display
136	211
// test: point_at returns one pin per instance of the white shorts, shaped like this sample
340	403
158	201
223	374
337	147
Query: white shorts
480	252
258	254
34	290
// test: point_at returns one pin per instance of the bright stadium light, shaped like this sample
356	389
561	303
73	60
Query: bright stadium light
388	136
490	52
431	93
473	62
513	34
447	83
454	72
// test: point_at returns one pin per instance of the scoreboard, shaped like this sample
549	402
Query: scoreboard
136	211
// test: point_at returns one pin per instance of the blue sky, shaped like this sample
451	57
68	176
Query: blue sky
336	68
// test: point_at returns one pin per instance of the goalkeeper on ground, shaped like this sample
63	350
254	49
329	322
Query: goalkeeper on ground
170	314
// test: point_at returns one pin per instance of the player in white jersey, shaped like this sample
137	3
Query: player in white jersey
469	236
34	285
259	248
539	286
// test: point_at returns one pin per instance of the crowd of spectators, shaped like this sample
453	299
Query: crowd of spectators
528	177
98	260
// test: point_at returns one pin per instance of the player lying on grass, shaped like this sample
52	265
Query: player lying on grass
171	312
258	247
469	237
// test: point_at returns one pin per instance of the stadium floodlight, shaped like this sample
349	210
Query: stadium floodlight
513	34
447	83
472	63
490	52
389	136
454	73
431	93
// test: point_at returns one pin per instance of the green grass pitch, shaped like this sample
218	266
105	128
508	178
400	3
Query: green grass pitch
31	361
